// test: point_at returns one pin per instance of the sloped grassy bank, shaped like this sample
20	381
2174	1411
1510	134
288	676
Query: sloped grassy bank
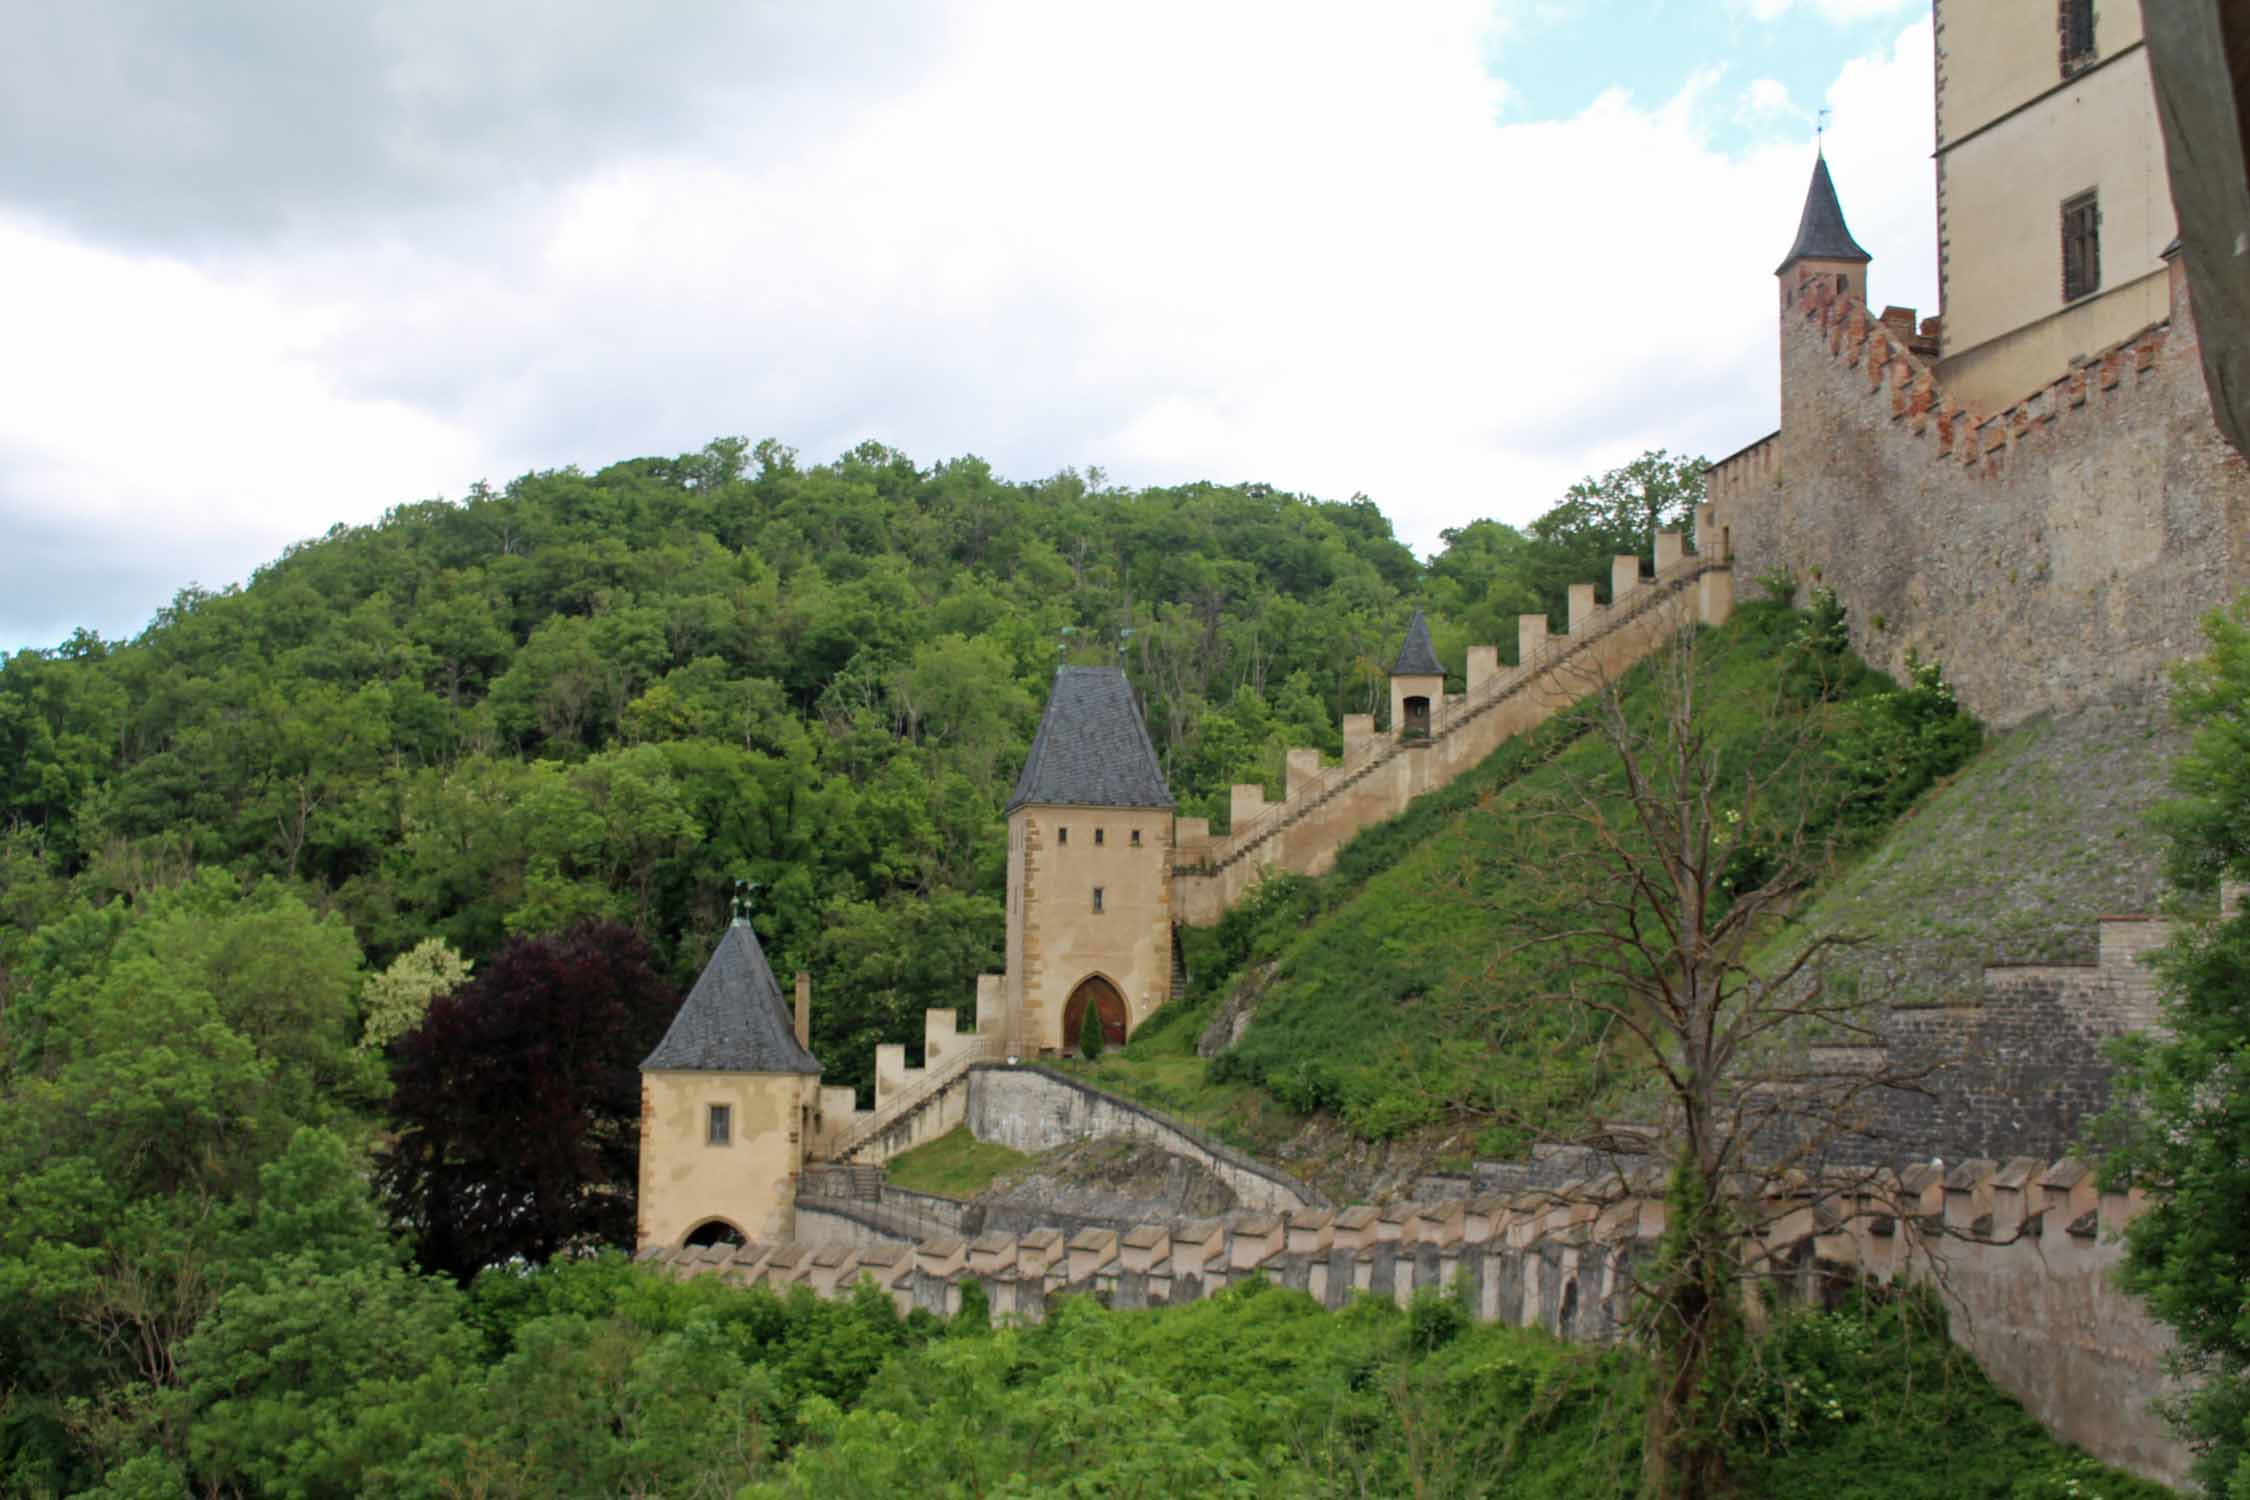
2012	859
1387	991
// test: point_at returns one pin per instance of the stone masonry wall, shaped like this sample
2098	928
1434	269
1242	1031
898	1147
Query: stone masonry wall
2060	553
2017	1070
1030	1108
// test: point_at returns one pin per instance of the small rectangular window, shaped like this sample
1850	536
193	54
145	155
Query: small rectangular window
720	1129
1135	840
2075	20
1099	834
1097	898
1062	835
2081	246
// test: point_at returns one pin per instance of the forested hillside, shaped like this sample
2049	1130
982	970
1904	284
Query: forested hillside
613	695
337	910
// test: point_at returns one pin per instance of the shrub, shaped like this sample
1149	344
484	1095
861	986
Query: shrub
1894	745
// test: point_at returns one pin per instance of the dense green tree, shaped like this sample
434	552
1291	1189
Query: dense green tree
2182	1128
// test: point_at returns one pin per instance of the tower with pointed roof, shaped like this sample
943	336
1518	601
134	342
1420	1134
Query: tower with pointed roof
727	1104
1089	870
1417	682
1823	253
1824	245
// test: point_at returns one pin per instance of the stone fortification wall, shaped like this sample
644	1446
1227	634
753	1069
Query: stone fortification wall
912	1105
1380	774
2022	1252
2058	553
858	1206
1031	1108
2017	1069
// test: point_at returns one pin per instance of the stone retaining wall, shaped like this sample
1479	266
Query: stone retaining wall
1031	1108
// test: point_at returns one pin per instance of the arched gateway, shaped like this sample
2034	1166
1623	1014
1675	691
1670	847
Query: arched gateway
1108	1004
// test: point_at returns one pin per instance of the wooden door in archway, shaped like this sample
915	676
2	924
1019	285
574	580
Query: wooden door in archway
1108	1004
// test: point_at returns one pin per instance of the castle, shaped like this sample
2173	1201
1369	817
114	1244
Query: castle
2029	487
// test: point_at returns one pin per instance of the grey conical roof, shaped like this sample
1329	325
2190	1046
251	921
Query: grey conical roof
1821	234
1092	749
734	1020
1417	658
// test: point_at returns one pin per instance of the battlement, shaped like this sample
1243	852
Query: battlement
2057	553
1897	372
2021	1251
1381	773
913	1105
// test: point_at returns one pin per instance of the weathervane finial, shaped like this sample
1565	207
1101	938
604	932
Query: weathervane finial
743	890
1820	127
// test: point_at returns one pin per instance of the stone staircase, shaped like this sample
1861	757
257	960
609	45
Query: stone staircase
901	1107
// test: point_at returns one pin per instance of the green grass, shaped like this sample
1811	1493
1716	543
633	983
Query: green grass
1395	1001
2012	860
955	1165
1171	1078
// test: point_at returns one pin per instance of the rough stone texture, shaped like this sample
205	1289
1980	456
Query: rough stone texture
1105	1184
2059	554
2019	1071
1231	1022
1032	1109
2199	63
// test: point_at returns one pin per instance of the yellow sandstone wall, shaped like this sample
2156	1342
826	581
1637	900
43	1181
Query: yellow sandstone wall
1056	938
1381	774
2015	139
751	1183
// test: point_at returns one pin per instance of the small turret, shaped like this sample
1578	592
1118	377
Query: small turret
727	1100
1824	245
1417	682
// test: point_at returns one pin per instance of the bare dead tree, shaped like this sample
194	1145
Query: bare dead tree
1670	873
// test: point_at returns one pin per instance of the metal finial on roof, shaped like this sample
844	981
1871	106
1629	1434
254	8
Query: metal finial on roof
743	891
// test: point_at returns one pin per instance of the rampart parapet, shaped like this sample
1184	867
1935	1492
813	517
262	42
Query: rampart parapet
2057	552
2022	1252
1381	773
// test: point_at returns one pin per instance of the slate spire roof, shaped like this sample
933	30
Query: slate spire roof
1092	749
1417	658
734	1020
1821	234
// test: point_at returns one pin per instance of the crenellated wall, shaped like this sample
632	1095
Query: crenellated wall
2058	553
2022	1252
913	1105
1381	773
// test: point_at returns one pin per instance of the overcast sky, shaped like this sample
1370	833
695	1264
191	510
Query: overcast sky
266	266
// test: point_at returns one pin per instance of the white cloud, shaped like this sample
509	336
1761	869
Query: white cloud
1272	241
1766	102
